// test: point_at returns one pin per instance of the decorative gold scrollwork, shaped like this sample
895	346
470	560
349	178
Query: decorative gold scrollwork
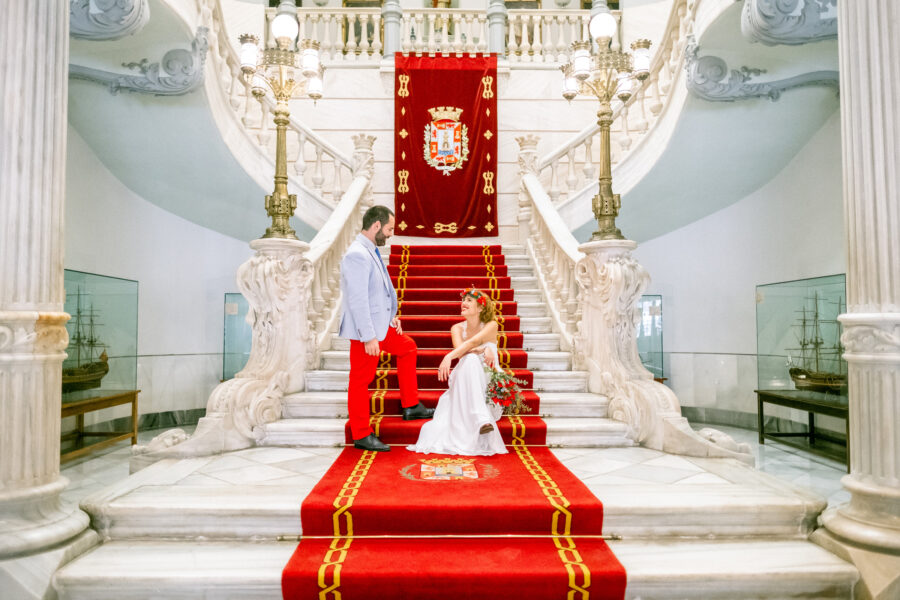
403	174
487	82
488	182
442	228
403	92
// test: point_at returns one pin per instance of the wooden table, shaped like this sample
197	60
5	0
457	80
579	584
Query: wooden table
78	409
813	403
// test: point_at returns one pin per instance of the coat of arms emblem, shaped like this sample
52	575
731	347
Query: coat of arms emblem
446	139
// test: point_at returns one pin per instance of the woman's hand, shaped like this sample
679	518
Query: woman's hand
444	369
490	358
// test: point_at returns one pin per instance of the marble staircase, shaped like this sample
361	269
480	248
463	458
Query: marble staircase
575	417
223	527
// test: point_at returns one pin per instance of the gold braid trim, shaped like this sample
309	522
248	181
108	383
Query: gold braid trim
401	276
561	523
381	386
329	575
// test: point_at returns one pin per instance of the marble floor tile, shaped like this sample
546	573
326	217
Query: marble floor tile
252	474
645	472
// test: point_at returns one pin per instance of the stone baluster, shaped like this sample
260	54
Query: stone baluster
300	164
407	34
459	43
588	168
482	33
432	36
656	101
470	33
265	132
537	46
553	192
572	178
393	18
625	137
866	531
512	47
377	44
351	24
34	41
420	36
562	25
496	17
318	177
337	186
365	44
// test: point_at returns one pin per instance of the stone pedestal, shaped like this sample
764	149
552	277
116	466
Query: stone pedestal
866	531
34	43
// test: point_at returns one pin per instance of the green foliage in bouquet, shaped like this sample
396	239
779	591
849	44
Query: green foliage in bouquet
505	390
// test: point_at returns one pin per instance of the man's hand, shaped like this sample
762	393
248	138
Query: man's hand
372	347
396	325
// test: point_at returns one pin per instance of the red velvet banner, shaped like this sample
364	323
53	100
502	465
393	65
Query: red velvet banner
445	146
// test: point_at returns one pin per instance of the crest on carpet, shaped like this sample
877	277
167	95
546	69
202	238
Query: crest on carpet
446	139
449	469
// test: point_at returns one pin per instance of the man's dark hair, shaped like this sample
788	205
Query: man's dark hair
376	213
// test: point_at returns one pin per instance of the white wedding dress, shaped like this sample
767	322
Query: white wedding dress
460	413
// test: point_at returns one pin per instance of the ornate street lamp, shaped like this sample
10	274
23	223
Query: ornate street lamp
289	69
595	69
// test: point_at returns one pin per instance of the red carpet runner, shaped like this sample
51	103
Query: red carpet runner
387	526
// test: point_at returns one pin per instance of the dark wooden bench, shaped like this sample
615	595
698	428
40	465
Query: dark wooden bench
813	403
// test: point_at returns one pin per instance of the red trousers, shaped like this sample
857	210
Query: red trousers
362	371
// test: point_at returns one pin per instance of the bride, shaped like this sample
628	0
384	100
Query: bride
463	423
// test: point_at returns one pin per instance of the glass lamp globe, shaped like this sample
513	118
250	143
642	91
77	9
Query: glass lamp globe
624	86
249	52
641	58
603	26
284	26
581	60
309	58
315	86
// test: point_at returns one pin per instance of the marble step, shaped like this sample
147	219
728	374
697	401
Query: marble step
520	283
656	571
549	381
334	405
333	360
532	342
572	432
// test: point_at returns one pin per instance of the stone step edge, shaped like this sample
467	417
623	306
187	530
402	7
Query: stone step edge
691	569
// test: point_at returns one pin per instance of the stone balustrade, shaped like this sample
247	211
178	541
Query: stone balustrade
357	35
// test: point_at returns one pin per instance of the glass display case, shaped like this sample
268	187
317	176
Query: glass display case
650	334
798	336
237	337
102	350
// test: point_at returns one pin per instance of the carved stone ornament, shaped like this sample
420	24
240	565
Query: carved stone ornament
40	333
179	72
775	22
276	282
873	334
528	157
708	78
611	282
107	19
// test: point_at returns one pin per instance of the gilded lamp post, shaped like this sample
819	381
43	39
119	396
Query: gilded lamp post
605	74
288	69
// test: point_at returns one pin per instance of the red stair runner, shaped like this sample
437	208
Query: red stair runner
517	525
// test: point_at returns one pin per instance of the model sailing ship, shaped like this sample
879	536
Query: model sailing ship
821	368
88	368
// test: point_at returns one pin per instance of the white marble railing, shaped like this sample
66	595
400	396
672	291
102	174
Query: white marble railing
319	169
357	34
568	169
551	246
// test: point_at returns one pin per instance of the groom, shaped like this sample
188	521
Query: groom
370	323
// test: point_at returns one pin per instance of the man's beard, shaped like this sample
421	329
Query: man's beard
380	238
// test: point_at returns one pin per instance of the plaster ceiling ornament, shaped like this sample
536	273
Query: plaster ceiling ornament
775	22
708	78
446	139
179	72
107	19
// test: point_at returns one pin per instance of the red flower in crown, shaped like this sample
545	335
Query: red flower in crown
480	298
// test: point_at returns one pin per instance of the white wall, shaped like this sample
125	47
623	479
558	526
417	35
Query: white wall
707	272
183	271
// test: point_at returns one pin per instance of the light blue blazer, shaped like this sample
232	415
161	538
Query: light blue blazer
369	298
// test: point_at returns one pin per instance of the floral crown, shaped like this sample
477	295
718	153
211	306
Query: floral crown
480	298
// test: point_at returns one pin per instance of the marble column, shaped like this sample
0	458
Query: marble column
496	16
866	531
391	16
34	53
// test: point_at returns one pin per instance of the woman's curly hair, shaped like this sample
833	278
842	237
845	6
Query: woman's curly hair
484	301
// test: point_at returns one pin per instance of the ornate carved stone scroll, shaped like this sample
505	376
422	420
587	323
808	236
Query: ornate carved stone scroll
179	72
709	78
775	22
276	283
107	19
611	282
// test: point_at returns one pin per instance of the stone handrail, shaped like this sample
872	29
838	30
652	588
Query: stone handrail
319	169
569	168
550	245
544	36
292	289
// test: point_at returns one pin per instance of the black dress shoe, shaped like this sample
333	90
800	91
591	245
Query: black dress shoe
370	442
417	412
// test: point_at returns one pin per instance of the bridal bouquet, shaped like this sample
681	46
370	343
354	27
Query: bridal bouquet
503	390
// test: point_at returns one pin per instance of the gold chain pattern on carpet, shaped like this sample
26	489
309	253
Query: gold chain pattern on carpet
330	569
401	276
562	517
381	387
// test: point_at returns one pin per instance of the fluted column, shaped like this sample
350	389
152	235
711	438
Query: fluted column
391	14
867	529
496	16
34	53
